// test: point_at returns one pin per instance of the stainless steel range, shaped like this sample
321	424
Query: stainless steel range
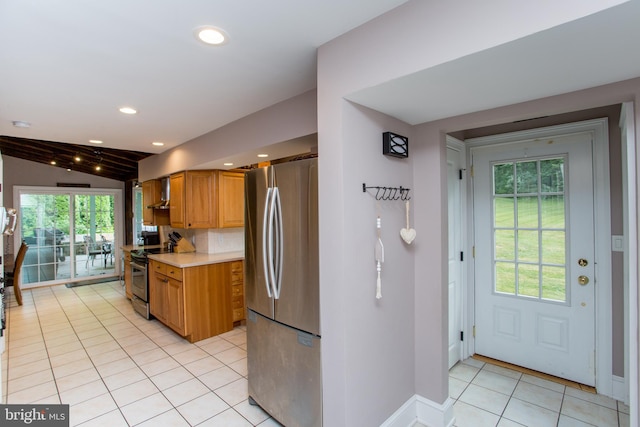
140	279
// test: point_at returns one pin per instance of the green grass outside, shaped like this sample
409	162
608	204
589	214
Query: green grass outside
524	257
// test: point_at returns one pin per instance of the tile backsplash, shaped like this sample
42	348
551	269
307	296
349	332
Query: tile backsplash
211	241
215	241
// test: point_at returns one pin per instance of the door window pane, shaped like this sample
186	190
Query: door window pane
552	175
528	250
553	247
503	212
503	179
529	218
527	177
505	245
552	211
94	226
553	283
528	212
528	280
505	278
44	226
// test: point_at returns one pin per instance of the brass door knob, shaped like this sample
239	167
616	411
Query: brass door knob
583	280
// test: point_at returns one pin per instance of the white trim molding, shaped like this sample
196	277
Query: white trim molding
619	391
424	411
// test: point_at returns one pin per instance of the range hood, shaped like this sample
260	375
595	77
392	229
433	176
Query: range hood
164	195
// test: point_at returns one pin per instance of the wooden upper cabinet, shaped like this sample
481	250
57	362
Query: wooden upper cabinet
176	200
207	199
152	194
230	199
200	210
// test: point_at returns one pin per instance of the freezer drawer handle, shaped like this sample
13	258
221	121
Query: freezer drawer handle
305	339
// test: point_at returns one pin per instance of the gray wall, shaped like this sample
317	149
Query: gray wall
378	354
361	381
293	118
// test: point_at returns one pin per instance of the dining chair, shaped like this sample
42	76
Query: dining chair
13	278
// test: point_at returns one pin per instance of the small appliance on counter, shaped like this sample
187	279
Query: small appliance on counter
150	238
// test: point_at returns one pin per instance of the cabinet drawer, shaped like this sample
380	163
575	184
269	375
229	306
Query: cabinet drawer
236	267
174	272
237	291
237	279
159	267
237	302
238	314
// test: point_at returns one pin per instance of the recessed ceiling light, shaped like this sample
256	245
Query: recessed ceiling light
21	124
228	164
263	155
95	141
53	162
157	143
77	158
128	110
98	167
211	35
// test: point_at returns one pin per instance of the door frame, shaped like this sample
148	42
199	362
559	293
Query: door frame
602	215
72	191
466	321
630	187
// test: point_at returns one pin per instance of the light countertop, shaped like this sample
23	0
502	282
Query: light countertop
193	259
129	248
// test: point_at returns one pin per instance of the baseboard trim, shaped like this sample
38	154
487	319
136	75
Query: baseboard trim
619	389
424	411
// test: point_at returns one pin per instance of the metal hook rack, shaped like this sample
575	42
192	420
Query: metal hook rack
389	193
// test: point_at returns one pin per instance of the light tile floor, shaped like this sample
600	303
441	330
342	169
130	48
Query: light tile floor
489	395
85	346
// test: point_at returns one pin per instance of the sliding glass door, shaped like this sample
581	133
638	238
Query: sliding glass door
72	234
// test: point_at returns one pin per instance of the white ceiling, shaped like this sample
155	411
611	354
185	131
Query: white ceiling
66	66
592	51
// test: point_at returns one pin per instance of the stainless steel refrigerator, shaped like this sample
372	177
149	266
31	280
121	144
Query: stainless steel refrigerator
282	292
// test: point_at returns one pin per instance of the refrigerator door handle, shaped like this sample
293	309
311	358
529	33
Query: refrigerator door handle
266	228
277	285
272	242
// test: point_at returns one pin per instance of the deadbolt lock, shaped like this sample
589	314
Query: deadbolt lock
583	280
583	262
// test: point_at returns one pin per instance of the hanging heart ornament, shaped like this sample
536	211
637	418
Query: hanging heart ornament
408	234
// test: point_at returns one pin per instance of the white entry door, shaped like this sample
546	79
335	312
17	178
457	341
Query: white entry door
534	255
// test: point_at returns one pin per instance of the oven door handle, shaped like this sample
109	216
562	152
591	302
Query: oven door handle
138	266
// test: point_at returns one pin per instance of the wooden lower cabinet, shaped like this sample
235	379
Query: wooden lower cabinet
237	291
196	302
175	306
127	274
